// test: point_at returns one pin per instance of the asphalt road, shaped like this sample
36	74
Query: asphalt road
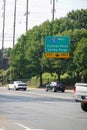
36	109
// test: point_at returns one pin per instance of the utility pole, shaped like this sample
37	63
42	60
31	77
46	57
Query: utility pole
26	15
14	22
53	10
3	30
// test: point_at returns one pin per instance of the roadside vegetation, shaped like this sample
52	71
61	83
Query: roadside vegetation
27	60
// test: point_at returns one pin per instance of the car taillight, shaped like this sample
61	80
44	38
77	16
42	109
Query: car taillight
74	89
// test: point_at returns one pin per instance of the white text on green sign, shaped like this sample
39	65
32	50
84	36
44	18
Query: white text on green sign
57	44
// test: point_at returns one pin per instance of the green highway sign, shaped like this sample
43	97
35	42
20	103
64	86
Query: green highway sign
57	44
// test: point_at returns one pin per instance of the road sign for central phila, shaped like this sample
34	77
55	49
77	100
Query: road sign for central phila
57	47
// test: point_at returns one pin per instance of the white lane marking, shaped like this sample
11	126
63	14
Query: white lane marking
27	128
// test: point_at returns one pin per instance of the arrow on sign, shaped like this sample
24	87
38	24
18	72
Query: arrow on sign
27	128
57	55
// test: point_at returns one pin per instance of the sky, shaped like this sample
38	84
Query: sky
39	12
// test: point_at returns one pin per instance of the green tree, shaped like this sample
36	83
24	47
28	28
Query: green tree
80	16
17	59
80	56
28	54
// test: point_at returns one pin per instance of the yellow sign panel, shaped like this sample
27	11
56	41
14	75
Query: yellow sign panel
57	55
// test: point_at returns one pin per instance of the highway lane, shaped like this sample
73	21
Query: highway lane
41	110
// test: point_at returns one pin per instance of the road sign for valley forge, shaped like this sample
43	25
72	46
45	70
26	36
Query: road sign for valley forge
57	47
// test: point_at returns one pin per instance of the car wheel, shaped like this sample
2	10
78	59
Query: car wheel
46	89
63	91
84	106
76	100
54	90
15	88
8	88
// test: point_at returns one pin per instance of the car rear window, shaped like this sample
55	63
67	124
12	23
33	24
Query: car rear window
53	83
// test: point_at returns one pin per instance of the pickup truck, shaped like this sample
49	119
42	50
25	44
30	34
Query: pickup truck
80	94
16	85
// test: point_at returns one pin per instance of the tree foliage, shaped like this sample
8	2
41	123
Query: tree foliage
80	16
27	57
80	56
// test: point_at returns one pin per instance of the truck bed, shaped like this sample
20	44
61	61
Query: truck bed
80	91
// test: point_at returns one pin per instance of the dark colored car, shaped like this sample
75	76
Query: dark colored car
55	86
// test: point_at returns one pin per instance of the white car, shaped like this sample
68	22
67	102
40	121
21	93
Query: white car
80	91
16	85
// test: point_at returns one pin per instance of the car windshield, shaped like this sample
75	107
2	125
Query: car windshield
18	82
